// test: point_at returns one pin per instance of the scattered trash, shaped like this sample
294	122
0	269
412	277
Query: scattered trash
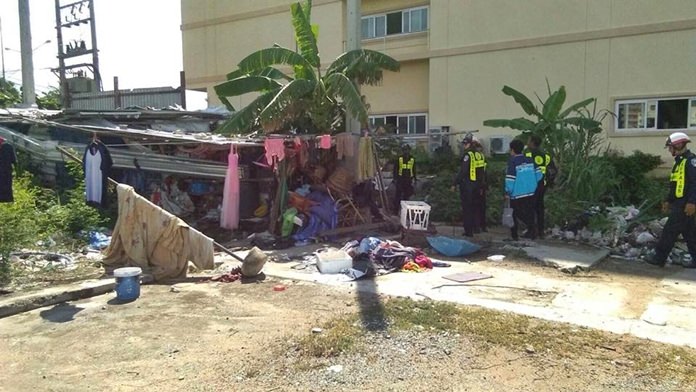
335	368
279	287
496	257
529	349
234	275
317	330
174	289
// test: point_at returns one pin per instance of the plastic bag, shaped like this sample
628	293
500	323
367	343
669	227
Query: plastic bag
508	220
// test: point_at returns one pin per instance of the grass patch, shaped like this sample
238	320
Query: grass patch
339	336
514	332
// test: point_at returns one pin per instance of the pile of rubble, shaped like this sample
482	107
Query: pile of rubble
624	235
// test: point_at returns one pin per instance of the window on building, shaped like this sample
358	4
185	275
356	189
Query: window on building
656	114
401	124
411	20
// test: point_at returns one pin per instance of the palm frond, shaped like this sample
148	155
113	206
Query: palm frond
522	100
338	85
260	60
244	85
363	65
245	119
269	72
304	36
291	92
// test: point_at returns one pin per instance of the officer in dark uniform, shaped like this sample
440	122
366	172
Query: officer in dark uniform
681	202
545	163
481	224
404	176
470	179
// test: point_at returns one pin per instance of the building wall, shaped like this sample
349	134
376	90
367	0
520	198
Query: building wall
609	49
219	34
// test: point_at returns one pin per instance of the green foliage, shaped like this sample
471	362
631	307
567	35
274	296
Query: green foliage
309	101
49	100
553	124
9	94
38	213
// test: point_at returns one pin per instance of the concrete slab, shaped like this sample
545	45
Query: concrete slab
567	259
53	295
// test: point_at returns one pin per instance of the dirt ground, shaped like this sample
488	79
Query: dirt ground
248	337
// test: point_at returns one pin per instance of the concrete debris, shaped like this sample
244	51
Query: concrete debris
622	234
529	349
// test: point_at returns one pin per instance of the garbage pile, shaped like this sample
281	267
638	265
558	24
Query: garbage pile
622	232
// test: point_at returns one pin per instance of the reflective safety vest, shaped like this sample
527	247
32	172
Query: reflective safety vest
679	177
476	161
408	166
541	160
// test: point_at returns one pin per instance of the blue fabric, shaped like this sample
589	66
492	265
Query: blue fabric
368	244
522	177
322	216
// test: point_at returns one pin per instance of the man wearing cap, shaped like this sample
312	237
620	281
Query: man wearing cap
404	176
470	180
680	203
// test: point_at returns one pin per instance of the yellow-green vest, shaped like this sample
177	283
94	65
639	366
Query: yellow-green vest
408	166
476	161
679	177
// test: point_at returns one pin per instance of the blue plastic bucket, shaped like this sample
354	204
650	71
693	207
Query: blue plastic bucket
127	283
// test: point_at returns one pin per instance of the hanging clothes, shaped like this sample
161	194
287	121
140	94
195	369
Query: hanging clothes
325	142
274	148
229	216
366	159
97	164
7	160
345	145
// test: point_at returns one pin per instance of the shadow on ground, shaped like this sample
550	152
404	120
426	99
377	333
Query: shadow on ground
61	313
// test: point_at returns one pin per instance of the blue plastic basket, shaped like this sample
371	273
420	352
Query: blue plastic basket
452	247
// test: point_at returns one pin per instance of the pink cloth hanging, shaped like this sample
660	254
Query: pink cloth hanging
274	148
325	142
229	216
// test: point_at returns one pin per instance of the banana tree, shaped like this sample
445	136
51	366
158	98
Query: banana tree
555	125
307	98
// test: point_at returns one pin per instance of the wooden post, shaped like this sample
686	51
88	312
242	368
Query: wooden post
117	94
182	88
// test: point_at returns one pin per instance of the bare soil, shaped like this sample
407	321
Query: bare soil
248	337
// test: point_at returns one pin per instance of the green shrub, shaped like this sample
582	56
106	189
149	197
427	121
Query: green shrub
38	213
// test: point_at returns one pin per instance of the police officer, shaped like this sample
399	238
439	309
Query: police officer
470	180
404	176
545	163
681	202
481	212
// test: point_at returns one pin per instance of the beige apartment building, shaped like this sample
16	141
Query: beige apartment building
637	57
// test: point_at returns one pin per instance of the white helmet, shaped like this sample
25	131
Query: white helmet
676	138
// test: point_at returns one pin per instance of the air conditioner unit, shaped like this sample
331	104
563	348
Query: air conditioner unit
499	144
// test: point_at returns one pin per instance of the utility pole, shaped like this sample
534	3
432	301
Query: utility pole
353	42
76	14
2	51
28	93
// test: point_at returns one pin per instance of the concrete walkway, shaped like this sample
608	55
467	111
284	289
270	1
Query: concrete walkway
648	303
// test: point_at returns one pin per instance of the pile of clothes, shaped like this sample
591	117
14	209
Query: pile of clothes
374	256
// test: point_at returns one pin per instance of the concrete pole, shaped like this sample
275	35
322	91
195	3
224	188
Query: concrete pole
2	50
353	42
28	93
